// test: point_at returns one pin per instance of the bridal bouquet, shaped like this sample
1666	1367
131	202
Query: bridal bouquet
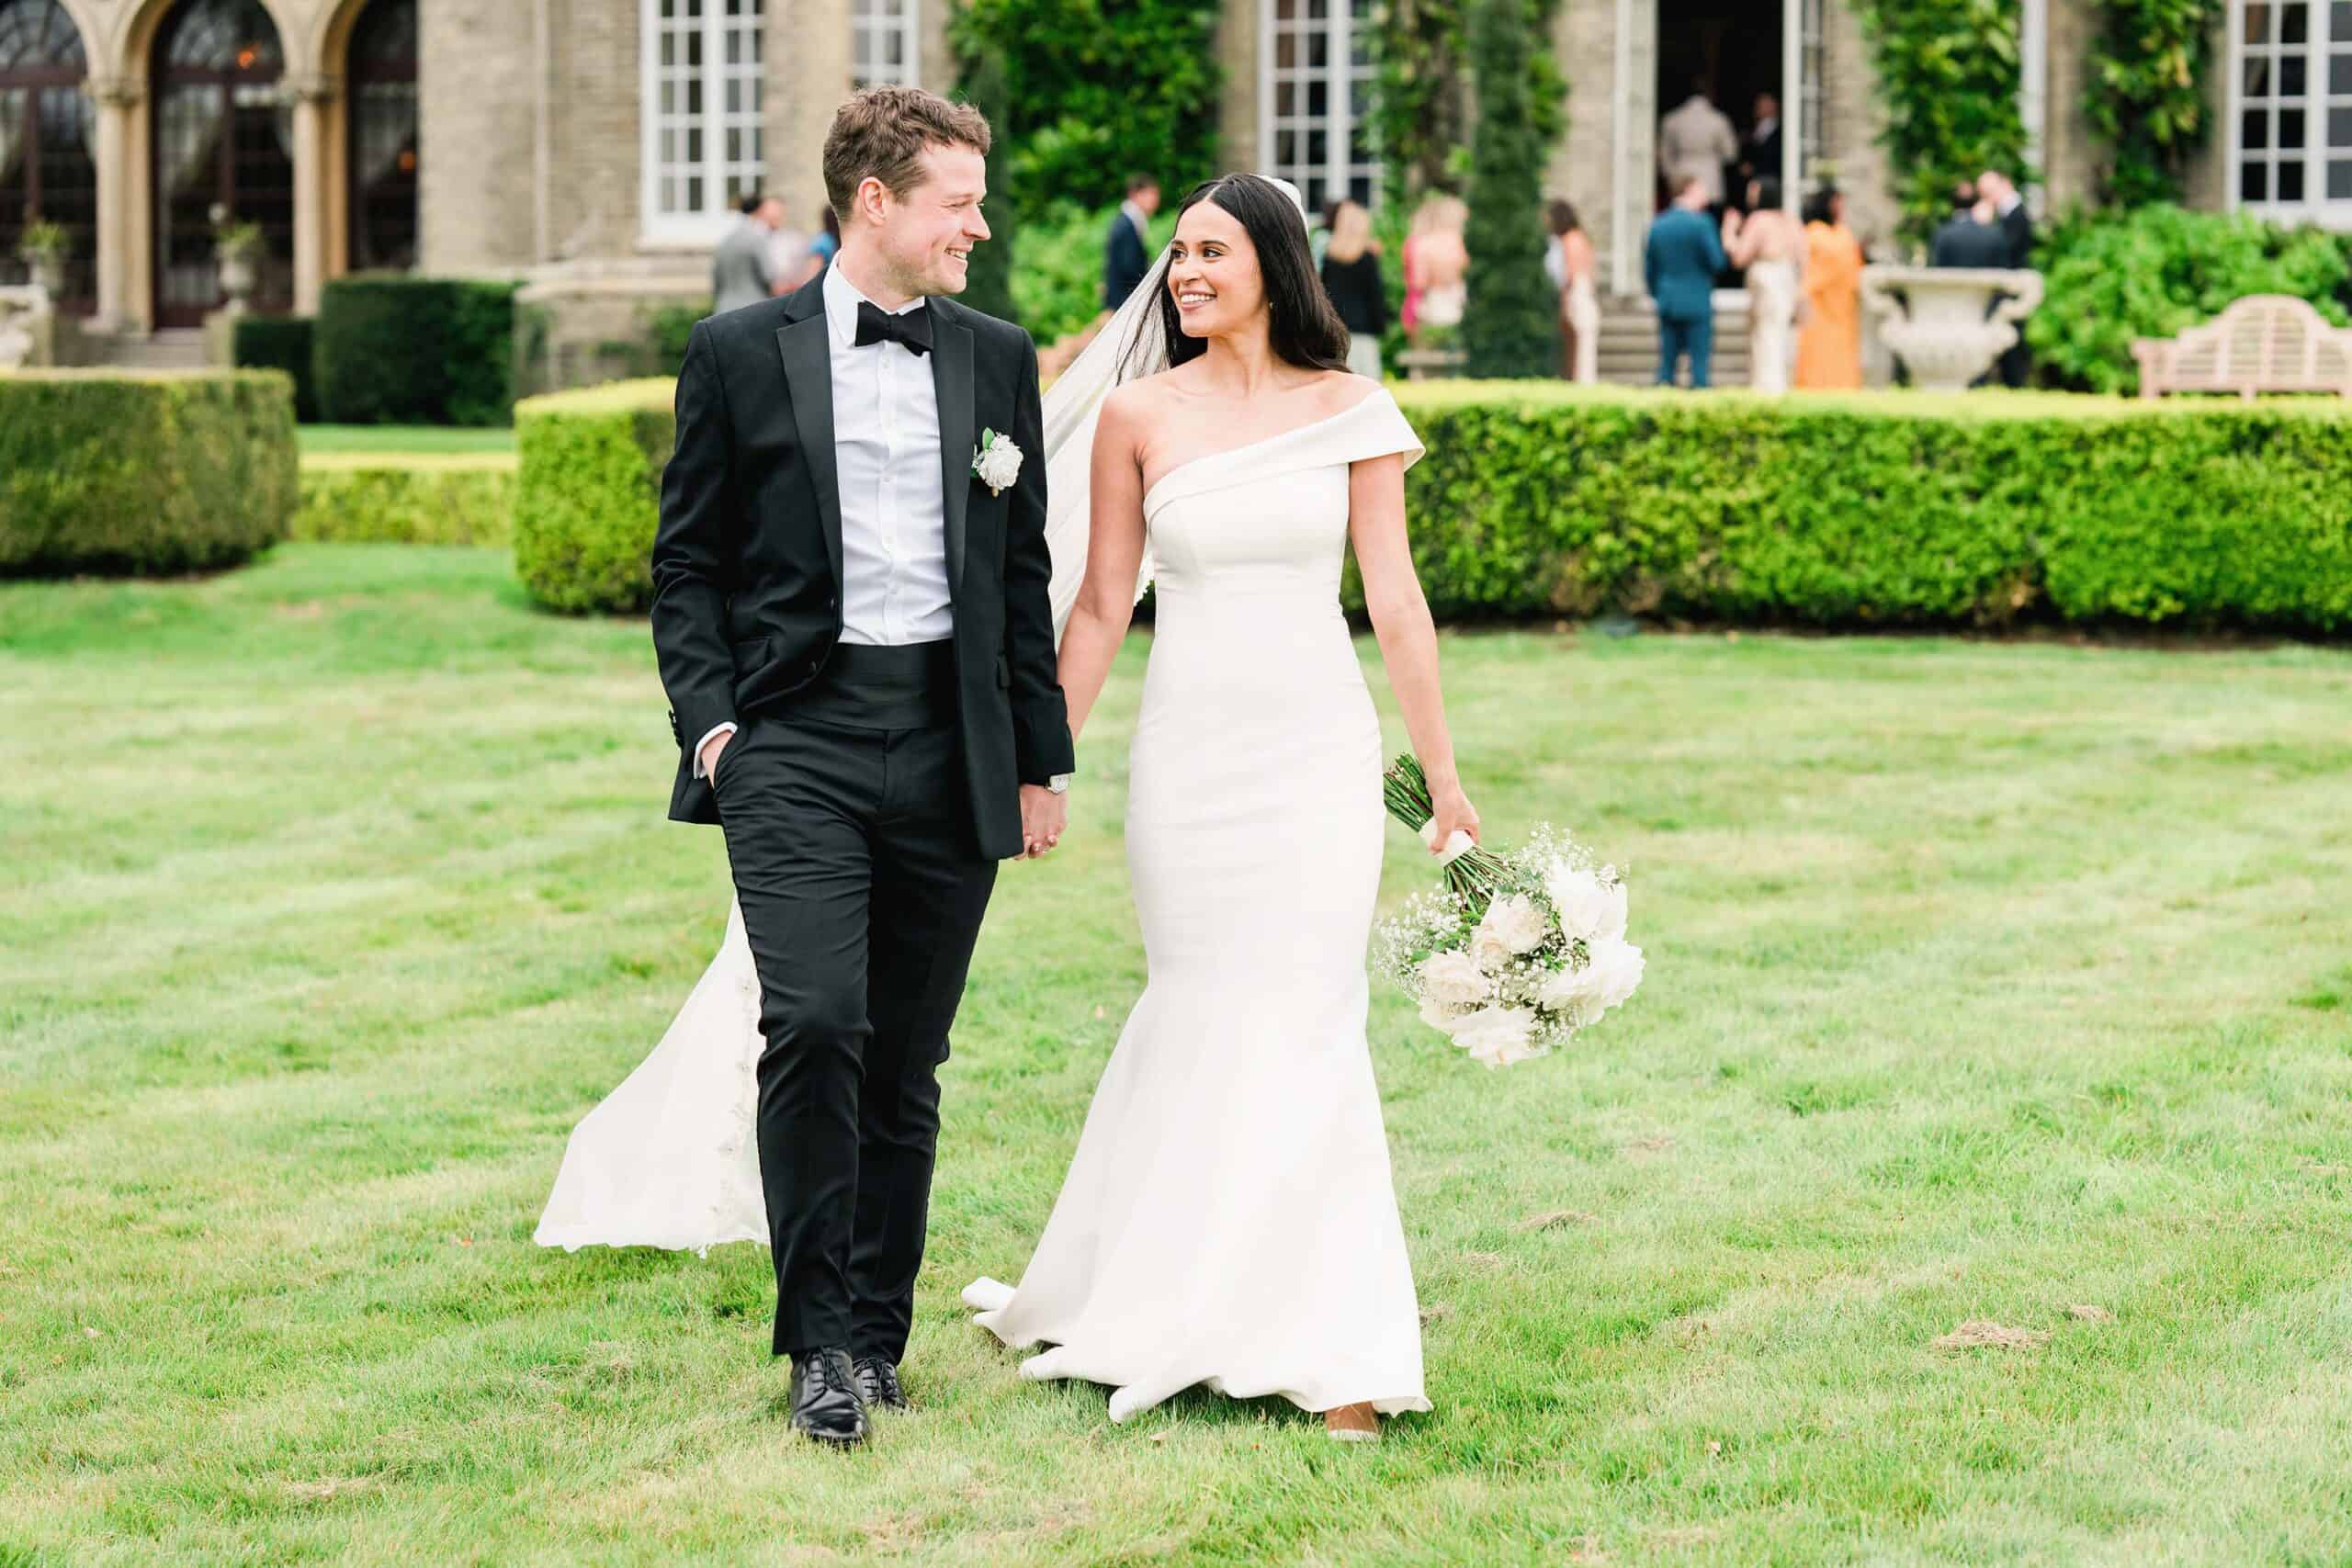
1519	951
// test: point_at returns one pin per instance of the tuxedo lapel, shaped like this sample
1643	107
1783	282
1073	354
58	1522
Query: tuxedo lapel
809	376
951	372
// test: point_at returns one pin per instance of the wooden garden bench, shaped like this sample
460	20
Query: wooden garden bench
2264	343
1418	364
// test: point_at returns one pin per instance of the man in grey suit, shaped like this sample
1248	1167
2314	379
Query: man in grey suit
742	271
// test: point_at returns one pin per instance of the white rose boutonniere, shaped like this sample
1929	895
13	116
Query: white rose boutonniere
996	461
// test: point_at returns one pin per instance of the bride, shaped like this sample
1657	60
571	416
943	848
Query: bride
1228	1218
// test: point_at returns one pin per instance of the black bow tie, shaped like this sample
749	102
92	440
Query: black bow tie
875	325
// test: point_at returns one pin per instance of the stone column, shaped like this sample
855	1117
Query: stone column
313	161
121	179
807	61
1582	168
1633	178
1236	115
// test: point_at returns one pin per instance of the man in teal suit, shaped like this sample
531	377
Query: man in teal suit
1679	265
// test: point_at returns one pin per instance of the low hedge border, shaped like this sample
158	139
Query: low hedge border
143	473
1538	499
395	348
391	498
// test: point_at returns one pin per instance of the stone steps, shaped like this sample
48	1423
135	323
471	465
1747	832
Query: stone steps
174	348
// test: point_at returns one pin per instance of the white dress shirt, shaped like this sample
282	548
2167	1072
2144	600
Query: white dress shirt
893	501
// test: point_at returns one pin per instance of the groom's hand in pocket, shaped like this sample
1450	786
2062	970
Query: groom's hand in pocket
710	751
1044	815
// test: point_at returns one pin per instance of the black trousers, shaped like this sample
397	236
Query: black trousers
849	833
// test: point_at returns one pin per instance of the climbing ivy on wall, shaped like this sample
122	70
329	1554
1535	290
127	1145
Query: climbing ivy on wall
2150	69
1423	106
1949	73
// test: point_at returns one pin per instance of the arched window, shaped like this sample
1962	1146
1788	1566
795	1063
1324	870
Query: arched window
223	140
382	76
47	128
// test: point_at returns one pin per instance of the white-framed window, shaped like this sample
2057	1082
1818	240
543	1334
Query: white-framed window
701	97
2290	109
1316	78
884	43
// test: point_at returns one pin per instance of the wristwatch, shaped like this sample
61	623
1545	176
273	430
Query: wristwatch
1059	784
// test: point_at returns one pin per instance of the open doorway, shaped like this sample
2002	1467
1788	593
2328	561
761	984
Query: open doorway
1732	52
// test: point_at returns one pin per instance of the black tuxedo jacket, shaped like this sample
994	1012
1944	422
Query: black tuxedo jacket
1963	241
747	558
2016	231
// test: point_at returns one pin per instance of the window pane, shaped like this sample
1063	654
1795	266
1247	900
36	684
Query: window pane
1286	98
2339	74
2254	129
2290	130
2341	27
2339	180
2292	73
1319	98
2254	182
2294	19
2257	78
2257	22
2339	130
2290	181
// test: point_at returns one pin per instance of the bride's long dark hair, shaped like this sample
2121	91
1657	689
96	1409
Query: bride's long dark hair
1301	327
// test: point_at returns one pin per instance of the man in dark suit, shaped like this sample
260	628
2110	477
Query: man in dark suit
1968	238
2009	215
1126	251
850	617
1679	264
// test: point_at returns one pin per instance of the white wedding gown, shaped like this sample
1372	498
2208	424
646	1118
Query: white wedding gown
1228	1218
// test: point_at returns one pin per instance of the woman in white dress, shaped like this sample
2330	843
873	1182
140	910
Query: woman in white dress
1768	243
1228	1218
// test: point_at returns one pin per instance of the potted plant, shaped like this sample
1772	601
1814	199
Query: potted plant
43	247
237	247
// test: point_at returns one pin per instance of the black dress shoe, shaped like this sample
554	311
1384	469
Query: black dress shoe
825	1402
878	1383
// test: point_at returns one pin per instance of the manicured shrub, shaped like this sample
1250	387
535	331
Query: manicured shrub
103	471
393	349
1059	285
424	499
280	342
590	493
1863	510
2112	277
1878	511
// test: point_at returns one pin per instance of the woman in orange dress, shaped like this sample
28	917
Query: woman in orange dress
1829	345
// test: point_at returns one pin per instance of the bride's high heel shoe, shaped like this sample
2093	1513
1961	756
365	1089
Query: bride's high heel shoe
1353	1424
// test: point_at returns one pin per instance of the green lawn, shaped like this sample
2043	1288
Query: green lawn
1987	982
402	438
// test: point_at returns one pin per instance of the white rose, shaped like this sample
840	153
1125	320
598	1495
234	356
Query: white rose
1496	1036
1437	1015
1515	923
1616	971
1567	989
1452	980
999	464
1590	909
1489	950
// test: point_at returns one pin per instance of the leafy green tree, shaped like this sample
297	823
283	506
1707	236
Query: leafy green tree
990	286
1949	72
1511	323
2150	67
1095	89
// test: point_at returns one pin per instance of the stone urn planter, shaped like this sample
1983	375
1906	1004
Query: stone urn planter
1943	322
48	274
239	274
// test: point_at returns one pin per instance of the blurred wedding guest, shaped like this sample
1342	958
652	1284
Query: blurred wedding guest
1766	245
1575	269
2008	214
1127	252
1696	142
1829	345
1759	150
1679	264
1436	267
1968	238
1351	272
1318	238
742	270
788	258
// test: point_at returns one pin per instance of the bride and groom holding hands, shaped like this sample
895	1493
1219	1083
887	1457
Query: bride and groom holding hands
889	582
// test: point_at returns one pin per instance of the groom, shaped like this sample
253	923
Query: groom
854	631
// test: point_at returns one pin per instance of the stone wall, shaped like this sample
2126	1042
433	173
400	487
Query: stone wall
477	171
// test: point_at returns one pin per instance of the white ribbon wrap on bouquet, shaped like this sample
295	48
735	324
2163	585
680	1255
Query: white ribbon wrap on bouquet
1458	845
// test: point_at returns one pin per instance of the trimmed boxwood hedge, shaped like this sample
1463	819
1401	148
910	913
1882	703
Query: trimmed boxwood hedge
280	343
1885	510
590	493
106	471
395	349
399	498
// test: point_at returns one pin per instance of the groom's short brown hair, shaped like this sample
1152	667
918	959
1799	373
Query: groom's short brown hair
882	131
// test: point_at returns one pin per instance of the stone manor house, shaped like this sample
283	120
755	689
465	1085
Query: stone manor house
594	147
